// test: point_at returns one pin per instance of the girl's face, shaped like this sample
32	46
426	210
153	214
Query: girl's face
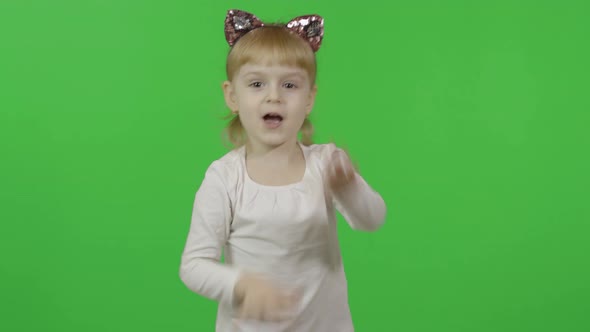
272	102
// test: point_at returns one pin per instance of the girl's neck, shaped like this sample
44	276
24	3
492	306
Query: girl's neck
282	154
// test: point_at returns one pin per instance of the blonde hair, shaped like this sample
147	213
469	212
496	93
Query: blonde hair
269	44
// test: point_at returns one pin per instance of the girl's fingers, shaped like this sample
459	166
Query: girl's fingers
273	307
288	301
349	171
247	310
242	313
341	170
345	165
337	161
335	165
271	310
285	309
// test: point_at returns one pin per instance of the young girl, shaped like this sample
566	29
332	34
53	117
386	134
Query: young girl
269	204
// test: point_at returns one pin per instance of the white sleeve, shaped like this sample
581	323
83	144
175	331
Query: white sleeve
201	269
361	206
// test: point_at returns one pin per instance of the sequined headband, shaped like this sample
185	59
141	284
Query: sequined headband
309	27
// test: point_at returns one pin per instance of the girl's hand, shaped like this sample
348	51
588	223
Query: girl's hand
259	299
340	171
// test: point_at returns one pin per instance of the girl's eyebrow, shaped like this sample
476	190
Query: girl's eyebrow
295	74
286	74
253	73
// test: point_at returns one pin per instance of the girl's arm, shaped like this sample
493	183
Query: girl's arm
201	269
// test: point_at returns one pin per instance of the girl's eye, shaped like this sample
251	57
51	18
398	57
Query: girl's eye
256	84
290	85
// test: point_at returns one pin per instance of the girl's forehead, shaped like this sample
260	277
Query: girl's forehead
271	69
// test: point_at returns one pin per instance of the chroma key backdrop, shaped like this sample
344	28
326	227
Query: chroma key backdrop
469	117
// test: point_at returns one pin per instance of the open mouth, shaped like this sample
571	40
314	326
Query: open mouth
272	120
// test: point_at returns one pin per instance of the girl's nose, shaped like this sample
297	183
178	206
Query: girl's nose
274	95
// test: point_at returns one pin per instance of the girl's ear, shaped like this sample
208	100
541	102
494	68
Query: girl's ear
229	95
311	100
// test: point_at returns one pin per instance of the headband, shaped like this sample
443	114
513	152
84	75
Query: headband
309	27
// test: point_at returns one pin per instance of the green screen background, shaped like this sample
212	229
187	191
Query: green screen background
469	117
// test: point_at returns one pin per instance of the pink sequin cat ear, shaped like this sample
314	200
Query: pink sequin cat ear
309	27
239	23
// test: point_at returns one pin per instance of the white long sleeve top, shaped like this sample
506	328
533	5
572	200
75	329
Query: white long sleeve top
286	232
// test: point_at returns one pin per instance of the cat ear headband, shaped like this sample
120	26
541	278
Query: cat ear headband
309	27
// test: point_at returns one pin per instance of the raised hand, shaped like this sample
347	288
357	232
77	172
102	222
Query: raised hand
339	171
